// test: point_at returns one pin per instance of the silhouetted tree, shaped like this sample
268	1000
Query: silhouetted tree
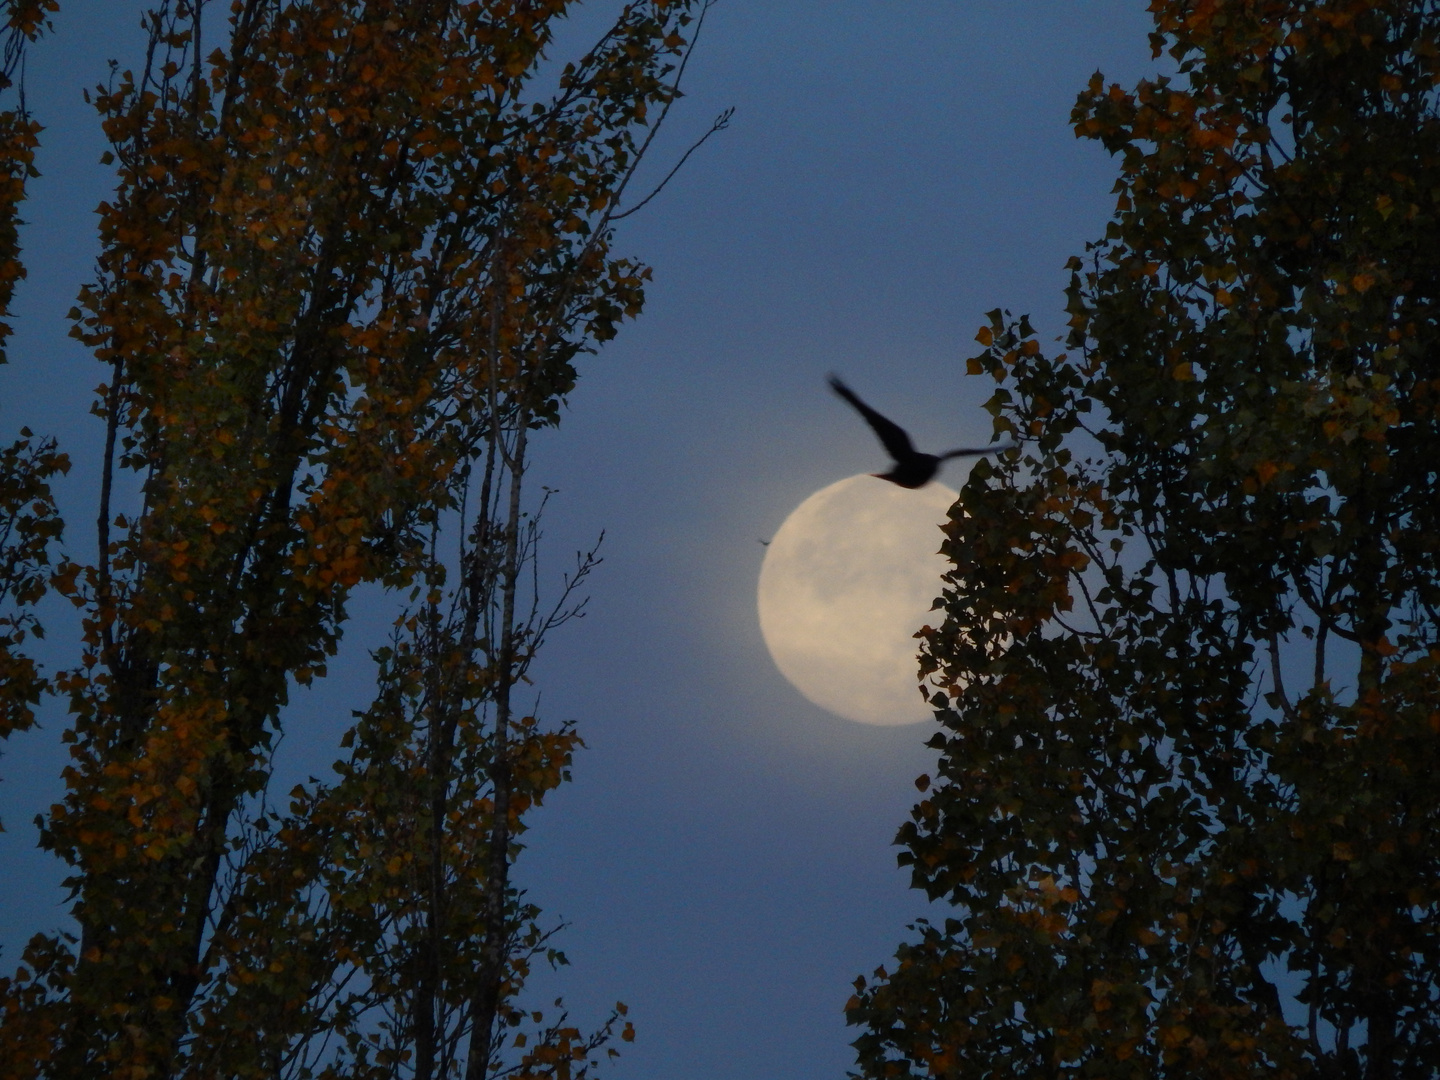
1186	807
29	524
351	259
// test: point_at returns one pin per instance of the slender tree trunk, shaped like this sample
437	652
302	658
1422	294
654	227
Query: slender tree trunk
497	886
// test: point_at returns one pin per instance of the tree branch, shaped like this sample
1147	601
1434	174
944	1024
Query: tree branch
721	123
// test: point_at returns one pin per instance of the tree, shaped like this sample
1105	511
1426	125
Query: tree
350	263
29	524
1189	662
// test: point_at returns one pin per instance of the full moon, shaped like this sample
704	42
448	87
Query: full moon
846	583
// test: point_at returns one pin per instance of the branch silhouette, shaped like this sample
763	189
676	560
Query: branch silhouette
721	123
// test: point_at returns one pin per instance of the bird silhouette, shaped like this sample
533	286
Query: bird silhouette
912	469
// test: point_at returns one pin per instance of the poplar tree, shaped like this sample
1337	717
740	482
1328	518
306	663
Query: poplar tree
352	257
1185	819
29	524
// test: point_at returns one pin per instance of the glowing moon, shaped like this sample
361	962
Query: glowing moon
846	583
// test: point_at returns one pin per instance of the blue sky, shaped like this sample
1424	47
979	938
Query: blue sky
895	169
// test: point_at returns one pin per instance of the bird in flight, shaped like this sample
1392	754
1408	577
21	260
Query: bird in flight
912	469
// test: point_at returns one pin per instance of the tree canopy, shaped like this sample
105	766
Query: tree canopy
351	259
1185	810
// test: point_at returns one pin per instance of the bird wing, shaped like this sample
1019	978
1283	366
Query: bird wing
975	451
892	435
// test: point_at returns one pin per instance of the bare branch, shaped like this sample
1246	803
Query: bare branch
721	123
1276	678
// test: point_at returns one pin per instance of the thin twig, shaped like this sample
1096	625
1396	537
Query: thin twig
721	123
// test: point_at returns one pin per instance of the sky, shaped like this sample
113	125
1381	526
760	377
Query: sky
724	858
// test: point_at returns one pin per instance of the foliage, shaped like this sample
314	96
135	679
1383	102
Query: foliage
23	22
1185	804
29	524
351	259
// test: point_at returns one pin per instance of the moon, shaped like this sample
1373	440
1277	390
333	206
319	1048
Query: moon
846	583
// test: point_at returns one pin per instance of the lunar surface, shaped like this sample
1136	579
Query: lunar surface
847	581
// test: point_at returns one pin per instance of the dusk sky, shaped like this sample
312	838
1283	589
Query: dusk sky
894	169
